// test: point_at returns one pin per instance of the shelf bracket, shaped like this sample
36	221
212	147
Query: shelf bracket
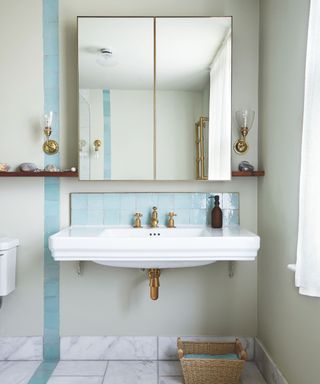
79	268
231	265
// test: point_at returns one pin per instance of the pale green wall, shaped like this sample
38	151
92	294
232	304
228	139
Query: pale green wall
115	301
288	322
21	201
107	301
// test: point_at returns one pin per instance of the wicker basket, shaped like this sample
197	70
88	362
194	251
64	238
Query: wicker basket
211	371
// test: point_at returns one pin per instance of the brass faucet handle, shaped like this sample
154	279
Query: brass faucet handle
137	220
171	220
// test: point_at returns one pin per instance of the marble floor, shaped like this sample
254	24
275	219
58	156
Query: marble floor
109	372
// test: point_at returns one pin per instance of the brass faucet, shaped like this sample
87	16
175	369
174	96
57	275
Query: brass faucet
171	220
137	220
154	218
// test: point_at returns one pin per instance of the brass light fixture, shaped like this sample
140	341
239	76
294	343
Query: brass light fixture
244	119
50	147
97	145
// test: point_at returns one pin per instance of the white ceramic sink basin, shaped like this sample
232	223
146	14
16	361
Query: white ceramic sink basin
187	246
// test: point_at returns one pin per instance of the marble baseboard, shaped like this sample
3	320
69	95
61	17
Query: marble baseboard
108	348
133	348
21	348
266	365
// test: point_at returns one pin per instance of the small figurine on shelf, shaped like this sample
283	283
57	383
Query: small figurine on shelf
245	166
4	167
28	167
51	168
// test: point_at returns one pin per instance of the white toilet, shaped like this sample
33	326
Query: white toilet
8	257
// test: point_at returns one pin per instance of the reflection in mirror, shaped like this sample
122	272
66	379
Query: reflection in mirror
116	64
193	98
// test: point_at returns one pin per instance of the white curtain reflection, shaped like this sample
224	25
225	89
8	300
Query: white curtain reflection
308	252
220	114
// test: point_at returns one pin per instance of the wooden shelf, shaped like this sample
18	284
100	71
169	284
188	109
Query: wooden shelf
247	173
76	174
39	174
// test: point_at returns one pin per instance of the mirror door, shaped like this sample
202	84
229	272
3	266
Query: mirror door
116	82
193	98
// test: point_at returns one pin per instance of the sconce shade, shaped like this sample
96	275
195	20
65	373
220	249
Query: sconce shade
245	118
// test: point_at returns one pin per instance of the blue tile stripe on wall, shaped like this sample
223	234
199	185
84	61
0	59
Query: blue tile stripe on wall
107	134
119	208
51	336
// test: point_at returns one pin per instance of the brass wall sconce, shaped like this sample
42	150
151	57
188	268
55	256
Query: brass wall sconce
244	119
50	147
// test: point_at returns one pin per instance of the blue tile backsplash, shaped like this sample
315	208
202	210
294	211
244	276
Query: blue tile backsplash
119	208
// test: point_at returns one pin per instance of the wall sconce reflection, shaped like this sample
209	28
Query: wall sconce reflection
50	147
82	148
97	144
244	119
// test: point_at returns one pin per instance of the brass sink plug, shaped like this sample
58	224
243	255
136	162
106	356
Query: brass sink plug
154	283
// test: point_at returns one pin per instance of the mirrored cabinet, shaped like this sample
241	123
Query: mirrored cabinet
154	98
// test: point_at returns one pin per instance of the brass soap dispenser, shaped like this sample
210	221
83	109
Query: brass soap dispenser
216	213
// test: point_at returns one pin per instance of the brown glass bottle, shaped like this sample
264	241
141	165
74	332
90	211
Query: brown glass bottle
216	214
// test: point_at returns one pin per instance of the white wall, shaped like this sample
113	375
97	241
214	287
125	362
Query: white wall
131	135
106	300
96	133
288	322
177	113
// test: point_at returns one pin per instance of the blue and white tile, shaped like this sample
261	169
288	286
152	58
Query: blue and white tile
128	202
111	217
145	201
267	366
131	372
198	216
75	380
230	200
111	201
183	216
108	348
127	217
230	217
80	368
166	201
182	200
95	217
95	201
17	372
79	217
21	348
199	200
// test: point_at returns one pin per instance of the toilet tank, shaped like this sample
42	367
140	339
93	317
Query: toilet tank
8	257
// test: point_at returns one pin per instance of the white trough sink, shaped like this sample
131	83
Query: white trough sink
128	247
